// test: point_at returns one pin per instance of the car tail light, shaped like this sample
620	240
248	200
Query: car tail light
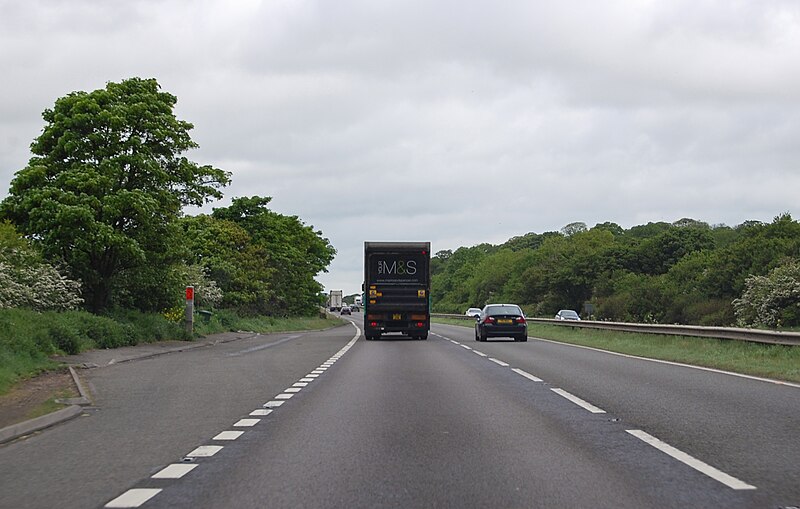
489	319
521	319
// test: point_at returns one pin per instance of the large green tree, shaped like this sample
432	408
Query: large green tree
265	262
105	185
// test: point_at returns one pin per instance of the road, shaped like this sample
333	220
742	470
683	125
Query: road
327	419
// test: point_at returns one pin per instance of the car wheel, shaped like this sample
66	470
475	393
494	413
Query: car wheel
477	338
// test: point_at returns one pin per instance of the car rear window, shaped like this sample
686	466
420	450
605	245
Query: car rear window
503	310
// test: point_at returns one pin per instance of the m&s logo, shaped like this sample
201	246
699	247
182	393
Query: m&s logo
397	267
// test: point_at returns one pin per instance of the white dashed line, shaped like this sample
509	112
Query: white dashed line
498	362
174	471
134	497
246	423
465	346
229	435
205	451
284	396
578	401
293	390
526	375
300	384
480	353
306	380
693	462
273	404
311	375
261	412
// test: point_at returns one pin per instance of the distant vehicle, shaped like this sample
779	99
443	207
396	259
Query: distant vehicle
567	314
357	300
473	312
345	310
354	308
397	282
501	321
335	300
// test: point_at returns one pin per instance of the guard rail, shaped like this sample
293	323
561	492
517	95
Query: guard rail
739	334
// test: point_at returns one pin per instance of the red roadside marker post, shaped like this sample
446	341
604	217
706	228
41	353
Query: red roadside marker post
190	309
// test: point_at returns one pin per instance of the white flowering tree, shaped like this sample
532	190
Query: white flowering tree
28	282
772	300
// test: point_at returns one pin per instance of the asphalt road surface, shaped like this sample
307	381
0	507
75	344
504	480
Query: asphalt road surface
327	419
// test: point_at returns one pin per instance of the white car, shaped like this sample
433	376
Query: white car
567	314
473	312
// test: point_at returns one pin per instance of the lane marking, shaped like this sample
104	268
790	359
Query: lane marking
134	497
205	451
498	362
465	346
261	411
291	390
284	396
312	375
228	435
578	401
306	379
691	461
262	347
672	363
526	375
273	404
174	471
246	423
480	353
300	384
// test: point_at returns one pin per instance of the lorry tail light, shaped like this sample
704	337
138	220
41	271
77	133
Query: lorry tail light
373	324
419	317
420	324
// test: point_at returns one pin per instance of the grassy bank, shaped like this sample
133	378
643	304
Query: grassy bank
771	361
29	338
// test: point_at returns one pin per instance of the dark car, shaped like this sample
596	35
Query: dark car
567	314
501	321
345	310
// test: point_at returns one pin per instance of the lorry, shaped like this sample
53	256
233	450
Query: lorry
397	284
335	300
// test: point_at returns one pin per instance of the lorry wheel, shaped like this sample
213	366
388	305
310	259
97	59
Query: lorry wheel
423	337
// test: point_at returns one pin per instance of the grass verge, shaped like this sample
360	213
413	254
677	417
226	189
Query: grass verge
28	338
771	361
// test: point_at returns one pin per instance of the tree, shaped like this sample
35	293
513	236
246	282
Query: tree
26	281
771	300
106	183
293	255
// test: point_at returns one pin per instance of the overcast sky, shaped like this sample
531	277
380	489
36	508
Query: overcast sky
457	122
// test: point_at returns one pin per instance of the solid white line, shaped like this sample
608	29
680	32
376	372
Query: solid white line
526	375
204	451
260	412
480	353
693	462
498	361
134	497
246	423
671	363
273	404
284	396
228	435
174	471
578	401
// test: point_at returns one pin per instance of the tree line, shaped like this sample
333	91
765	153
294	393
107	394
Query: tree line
686	272
95	220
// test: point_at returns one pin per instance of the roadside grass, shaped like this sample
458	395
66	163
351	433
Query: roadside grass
771	361
51	405
28	338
